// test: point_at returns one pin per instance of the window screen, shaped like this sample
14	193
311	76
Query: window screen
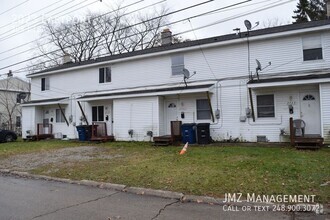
44	84
177	64
203	109
312	48
59	116
265	106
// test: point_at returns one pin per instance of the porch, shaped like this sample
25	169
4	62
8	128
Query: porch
305	141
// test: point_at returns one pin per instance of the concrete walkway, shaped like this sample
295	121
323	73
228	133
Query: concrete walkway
26	198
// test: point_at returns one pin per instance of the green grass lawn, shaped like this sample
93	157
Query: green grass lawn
211	170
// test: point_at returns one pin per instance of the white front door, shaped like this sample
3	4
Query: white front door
171	109
108	118
310	111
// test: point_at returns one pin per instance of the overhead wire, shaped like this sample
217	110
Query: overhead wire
190	30
29	15
8	10
58	31
129	26
39	23
33	41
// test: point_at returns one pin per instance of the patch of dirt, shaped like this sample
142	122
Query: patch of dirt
73	154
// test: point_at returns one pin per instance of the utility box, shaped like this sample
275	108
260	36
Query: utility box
188	133
203	133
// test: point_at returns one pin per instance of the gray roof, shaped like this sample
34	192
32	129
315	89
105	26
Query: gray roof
142	91
55	100
290	78
187	44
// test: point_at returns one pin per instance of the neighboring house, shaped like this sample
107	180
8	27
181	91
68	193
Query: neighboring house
13	92
145	90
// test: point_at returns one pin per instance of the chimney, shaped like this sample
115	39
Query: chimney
166	37
66	58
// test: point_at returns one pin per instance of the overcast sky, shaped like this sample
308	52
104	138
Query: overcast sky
17	15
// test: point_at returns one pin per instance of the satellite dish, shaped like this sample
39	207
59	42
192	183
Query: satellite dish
186	73
258	66
248	25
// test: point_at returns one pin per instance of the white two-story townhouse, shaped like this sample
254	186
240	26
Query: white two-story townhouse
145	90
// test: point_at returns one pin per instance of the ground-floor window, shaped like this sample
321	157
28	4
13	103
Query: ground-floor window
203	109
265	106
59	116
98	113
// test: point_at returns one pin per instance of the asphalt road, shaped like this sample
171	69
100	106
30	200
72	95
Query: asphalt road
22	198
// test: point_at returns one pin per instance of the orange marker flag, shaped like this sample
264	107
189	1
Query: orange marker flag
184	149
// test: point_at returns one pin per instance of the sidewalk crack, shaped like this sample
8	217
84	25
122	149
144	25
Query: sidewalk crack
75	205
163	209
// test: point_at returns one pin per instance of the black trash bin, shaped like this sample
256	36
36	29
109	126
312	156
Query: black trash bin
203	133
188	133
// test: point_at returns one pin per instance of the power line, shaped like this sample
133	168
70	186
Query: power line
38	23
14	7
49	35
29	15
170	13
202	14
87	28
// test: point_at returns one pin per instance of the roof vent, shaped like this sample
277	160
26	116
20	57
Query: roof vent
166	37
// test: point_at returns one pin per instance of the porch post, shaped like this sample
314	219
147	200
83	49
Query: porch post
83	113
291	132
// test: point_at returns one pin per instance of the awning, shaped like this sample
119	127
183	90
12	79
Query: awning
290	80
55	101
143	92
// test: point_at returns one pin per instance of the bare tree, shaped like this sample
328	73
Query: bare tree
108	34
274	22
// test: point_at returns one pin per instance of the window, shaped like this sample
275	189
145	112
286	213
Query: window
18	121
177	65
18	98
312	48
104	75
44	84
98	113
203	109
265	106
308	97
59	116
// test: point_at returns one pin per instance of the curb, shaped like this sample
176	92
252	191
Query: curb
325	209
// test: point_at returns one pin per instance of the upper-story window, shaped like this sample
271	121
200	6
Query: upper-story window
177	64
104	74
44	84
266	106
312	48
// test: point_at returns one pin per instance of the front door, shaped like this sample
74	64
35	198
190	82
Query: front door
171	109
310	111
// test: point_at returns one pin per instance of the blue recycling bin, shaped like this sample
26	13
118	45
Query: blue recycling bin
84	132
188	133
